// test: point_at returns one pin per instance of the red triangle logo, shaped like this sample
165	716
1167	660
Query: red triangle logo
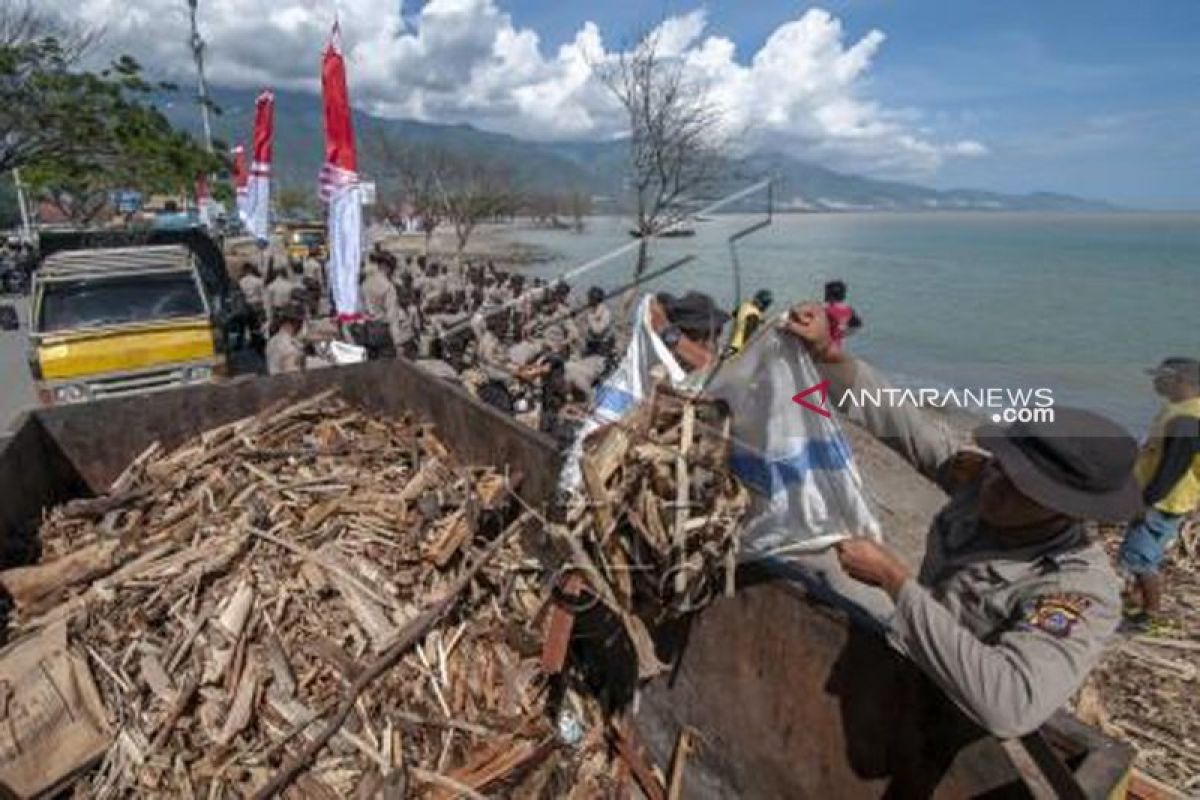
823	389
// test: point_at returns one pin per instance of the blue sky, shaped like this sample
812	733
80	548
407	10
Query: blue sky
1095	97
1099	98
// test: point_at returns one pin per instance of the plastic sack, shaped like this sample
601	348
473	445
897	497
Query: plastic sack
807	491
628	385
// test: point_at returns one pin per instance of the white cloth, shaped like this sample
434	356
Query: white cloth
258	201
345	247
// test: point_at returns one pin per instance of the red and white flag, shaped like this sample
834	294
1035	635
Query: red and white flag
258	186
339	185
240	180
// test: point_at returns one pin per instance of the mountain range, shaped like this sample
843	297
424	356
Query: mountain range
592	167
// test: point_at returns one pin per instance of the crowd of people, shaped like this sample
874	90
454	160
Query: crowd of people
525	346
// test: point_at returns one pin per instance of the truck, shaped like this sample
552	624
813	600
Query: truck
788	697
113	321
302	239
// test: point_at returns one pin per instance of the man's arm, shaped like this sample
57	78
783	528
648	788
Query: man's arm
1013	686
1181	445
924	442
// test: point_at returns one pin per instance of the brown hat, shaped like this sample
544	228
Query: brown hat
1079	464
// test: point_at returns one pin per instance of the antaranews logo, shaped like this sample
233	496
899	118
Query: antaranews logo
1003	405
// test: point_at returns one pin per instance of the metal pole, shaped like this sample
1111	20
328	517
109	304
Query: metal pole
23	204
197	44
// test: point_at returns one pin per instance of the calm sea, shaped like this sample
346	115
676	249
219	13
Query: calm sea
1081	304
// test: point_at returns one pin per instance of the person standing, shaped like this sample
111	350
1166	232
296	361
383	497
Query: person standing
748	318
381	305
285	350
843	319
1168	469
280	293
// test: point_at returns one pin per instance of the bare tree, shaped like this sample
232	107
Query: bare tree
473	190
676	145
441	187
407	176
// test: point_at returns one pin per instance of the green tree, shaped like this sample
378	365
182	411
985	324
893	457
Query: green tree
79	134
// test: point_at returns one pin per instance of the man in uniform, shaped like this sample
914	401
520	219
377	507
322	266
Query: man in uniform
280	292
285	350
1014	602
597	325
381	305
314	282
1169	471
749	316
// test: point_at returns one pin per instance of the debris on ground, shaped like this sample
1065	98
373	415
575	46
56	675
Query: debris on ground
1145	689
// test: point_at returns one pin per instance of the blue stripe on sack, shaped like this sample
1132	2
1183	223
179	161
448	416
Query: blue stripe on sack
771	476
613	400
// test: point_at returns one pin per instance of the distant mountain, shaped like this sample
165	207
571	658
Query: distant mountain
594	167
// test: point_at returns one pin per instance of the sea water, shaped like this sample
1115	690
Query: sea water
1079	303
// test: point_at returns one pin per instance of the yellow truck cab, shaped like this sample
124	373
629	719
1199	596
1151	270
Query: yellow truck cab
301	239
119	321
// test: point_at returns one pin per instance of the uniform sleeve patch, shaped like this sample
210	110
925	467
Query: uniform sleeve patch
1056	614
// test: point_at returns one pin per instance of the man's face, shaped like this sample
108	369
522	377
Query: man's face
1003	507
1165	384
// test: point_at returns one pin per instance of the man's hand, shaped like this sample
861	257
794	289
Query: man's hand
807	322
872	563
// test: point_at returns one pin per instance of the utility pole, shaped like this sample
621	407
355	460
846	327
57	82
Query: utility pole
23	205
197	44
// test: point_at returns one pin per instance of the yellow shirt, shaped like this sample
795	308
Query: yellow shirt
746	312
1184	498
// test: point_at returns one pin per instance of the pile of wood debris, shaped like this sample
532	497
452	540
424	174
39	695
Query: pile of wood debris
316	598
1145	689
656	535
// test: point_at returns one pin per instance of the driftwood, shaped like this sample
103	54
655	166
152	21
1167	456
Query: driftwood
1145	689
317	597
414	632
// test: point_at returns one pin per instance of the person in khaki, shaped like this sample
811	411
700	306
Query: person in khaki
381	302
285	350
1014	601
280	293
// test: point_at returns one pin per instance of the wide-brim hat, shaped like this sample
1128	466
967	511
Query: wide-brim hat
1079	464
695	311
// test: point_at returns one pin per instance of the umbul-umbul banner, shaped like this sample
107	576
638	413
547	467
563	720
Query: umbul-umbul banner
258	187
241	180
339	186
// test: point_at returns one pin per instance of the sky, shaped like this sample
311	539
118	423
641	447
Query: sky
1099	98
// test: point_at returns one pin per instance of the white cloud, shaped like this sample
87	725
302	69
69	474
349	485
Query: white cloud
466	61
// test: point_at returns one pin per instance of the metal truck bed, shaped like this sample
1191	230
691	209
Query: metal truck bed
788	699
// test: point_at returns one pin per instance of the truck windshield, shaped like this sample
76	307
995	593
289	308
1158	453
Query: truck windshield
97	302
308	238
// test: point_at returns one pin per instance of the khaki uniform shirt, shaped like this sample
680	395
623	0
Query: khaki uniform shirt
314	272
1009	633
381	302
252	289
598	321
284	353
279	293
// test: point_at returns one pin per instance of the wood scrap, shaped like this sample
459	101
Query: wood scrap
246	613
1147	682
